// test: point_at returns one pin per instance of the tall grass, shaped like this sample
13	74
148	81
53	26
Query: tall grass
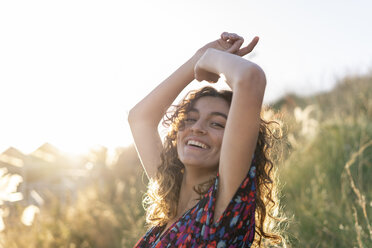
107	213
327	175
327	190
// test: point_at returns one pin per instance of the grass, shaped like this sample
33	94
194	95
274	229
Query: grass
327	191
327	175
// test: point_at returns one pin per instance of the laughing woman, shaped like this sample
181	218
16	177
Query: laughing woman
211	180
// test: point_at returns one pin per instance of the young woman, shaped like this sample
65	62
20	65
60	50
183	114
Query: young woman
211	180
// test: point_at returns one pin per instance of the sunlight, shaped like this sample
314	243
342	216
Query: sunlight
28	215
46	156
11	160
8	187
39	200
2	225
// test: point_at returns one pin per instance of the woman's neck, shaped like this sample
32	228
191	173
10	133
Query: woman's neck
191	178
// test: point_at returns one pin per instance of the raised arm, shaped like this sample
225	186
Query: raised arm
144	117
247	81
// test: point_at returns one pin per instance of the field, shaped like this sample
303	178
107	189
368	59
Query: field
326	190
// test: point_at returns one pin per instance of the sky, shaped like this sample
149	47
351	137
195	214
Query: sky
71	70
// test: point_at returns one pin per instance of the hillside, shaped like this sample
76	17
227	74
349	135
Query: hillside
326	176
325	179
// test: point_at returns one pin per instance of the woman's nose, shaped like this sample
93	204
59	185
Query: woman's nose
198	127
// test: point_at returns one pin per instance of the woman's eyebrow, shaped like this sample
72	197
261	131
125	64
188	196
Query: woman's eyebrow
193	110
212	113
219	114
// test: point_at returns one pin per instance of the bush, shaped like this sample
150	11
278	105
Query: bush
327	176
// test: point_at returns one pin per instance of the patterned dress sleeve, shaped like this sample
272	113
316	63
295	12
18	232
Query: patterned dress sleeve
236	226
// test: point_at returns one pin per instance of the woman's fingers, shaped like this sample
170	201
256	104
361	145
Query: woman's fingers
235	46
224	35
245	50
222	44
235	42
230	37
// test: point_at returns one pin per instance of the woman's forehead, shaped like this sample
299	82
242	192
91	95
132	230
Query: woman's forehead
211	104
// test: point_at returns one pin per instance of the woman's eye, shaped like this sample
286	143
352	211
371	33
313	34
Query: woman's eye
188	120
216	124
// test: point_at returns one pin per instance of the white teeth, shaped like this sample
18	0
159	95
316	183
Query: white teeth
197	143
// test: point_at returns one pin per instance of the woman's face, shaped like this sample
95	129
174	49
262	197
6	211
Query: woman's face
199	142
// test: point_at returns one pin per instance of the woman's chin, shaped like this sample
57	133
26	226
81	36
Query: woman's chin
197	164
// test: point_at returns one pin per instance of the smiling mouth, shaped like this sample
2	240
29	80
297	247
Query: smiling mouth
197	144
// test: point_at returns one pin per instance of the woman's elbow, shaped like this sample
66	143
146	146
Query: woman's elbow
132	116
253	77
138	115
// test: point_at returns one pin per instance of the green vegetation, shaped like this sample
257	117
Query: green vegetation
325	177
106	213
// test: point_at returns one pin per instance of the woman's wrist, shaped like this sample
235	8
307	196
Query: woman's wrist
235	69
199	53
209	60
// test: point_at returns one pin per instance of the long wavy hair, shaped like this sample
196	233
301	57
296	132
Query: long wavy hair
163	191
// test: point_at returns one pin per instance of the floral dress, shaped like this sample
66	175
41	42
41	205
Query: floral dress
235	227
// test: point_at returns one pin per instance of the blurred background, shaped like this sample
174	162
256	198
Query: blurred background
70	71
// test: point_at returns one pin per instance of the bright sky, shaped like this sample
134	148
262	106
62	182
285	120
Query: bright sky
70	70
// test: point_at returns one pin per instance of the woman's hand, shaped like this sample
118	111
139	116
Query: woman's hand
230	43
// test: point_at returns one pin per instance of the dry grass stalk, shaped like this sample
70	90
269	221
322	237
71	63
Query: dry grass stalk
360	196
357	227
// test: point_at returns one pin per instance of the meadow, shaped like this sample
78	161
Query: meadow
326	190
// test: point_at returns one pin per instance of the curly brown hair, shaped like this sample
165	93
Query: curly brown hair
163	192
